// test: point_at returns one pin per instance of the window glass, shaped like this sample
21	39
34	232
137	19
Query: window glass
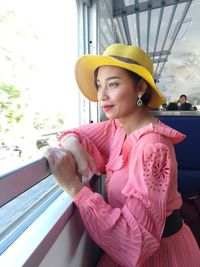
38	49
20	212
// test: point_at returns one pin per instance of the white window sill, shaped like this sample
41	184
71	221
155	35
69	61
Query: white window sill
32	245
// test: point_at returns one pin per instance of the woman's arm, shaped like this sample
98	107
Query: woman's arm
85	162
130	235
90	145
63	166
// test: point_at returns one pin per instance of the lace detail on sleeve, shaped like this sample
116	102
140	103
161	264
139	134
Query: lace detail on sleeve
149	179
149	174
156	167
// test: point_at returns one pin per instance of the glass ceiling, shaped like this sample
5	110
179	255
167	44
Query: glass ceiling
170	32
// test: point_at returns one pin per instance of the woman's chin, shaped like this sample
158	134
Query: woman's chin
109	117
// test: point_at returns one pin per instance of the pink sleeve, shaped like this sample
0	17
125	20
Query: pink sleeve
96	139
131	235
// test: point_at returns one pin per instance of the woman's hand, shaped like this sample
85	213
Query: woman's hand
63	166
84	161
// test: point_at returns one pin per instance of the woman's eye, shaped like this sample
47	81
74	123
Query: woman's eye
98	86
114	84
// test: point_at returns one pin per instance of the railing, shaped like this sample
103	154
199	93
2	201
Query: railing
18	181
24	195
34	207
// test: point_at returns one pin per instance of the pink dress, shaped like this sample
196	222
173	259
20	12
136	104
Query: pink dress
141	187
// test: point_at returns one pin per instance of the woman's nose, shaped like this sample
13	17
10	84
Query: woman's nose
102	94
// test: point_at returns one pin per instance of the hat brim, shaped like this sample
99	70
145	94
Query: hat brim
87	64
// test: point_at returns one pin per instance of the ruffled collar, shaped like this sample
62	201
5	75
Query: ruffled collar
121	147
161	128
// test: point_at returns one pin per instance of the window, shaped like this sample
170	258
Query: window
37	94
37	86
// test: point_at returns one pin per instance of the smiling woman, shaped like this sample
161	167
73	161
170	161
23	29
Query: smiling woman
118	93
136	151
133	56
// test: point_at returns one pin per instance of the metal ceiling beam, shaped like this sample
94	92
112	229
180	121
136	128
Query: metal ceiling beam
120	10
157	61
177	31
120	30
158	28
126	29
124	21
87	2
118	26
138	23
166	35
157	53
148	26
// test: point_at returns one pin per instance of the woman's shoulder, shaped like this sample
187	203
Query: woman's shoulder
158	132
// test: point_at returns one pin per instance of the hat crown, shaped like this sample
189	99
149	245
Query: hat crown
123	56
131	54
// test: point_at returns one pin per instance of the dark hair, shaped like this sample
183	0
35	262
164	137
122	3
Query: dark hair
183	96
147	95
136	78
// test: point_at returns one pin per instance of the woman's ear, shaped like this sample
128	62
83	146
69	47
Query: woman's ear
141	88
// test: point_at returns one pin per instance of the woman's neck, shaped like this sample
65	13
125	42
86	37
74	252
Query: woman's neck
140	118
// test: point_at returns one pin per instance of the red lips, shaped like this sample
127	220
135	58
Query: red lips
107	107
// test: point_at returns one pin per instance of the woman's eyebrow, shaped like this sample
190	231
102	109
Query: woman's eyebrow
111	78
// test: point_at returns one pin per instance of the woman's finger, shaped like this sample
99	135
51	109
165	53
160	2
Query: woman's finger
53	155
48	154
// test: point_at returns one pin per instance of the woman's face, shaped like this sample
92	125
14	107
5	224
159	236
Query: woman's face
182	99
117	92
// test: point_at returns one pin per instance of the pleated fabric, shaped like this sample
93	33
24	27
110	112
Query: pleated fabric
141	187
178	250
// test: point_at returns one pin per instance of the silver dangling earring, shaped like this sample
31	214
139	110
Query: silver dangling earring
139	102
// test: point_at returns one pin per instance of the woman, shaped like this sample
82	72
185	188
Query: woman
183	104
140	224
182	99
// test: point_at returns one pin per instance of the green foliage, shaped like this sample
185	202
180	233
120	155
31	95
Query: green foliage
10	106
14	109
11	91
48	122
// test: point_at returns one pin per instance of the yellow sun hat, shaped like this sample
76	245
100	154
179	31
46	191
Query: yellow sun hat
128	57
